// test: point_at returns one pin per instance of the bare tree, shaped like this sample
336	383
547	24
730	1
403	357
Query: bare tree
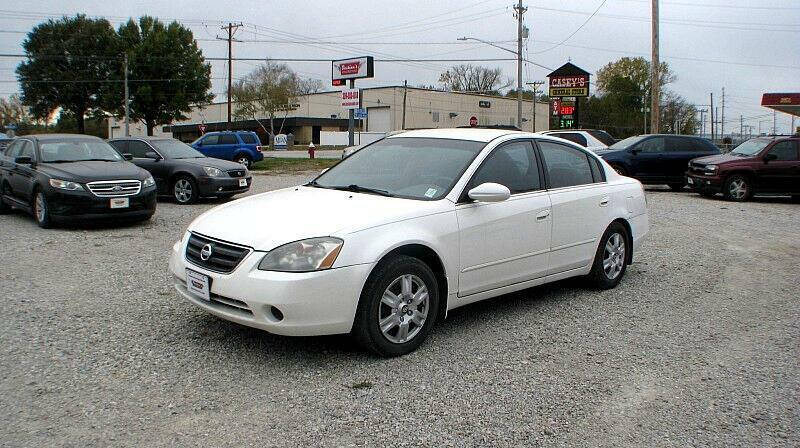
13	111
309	85
267	90
474	78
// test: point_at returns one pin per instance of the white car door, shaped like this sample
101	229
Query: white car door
506	242
580	199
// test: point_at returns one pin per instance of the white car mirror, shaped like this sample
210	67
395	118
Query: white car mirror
323	171
489	192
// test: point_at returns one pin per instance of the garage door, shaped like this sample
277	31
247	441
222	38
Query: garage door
379	119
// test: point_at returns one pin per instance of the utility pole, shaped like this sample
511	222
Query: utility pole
231	28
127	102
774	122
703	121
520	11
655	79
741	126
535	85
722	118
711	112
405	92
351	118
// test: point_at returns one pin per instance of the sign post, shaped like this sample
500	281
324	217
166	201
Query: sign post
349	70
567	84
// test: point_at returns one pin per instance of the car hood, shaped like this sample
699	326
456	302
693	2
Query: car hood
93	171
603	152
223	165
722	158
271	219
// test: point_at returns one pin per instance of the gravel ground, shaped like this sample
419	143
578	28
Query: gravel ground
697	347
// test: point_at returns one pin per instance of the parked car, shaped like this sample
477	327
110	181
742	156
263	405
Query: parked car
591	139
759	165
385	243
657	159
239	146
4	142
62	177
181	171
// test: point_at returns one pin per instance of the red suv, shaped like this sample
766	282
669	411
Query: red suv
759	165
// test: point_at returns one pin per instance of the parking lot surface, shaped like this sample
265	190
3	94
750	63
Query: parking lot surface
698	346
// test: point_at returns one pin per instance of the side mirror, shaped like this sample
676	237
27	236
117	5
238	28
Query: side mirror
769	157
489	192
128	156
323	171
152	155
23	160
199	143
635	151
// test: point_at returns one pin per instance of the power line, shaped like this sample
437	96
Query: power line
574	32
709	5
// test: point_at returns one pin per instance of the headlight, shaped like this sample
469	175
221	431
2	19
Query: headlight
65	185
711	168
213	172
313	254
149	182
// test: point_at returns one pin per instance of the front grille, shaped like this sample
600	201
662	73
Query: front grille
234	304
224	256
236	173
115	188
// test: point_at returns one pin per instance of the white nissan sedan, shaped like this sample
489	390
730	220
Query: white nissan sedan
386	242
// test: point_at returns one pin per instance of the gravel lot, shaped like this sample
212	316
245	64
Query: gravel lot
699	346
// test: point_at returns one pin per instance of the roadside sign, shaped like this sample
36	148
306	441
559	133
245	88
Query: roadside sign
351	98
353	68
360	113
201	128
281	141
473	121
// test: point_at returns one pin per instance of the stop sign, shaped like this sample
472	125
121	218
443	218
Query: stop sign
473	121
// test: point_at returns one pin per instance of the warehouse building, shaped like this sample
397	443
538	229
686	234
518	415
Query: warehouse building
387	108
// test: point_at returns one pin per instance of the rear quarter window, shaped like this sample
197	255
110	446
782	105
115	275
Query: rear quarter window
248	139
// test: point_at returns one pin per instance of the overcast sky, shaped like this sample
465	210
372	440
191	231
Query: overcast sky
747	46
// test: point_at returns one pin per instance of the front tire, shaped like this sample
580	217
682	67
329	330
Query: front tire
185	191
737	188
244	159
611	258
41	210
397	308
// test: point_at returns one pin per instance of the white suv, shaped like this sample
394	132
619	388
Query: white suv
591	139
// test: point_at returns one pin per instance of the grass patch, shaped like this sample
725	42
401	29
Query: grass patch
288	165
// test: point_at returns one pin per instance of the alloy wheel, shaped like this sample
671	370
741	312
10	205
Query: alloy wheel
738	188
403	308
614	256
40	207
183	190
244	161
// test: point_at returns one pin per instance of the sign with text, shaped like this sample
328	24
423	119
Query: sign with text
353	68
351	98
569	85
360	113
281	141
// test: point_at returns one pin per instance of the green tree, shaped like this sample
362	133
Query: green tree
167	72
636	69
70	62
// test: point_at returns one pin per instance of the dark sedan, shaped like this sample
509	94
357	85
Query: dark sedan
657	159
181	171
61	177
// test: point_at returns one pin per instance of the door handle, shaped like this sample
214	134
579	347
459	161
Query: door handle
543	215
604	201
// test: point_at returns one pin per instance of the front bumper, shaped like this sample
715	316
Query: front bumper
211	186
82	205
310	303
701	182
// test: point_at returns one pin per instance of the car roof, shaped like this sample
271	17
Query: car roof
146	139
52	137
474	134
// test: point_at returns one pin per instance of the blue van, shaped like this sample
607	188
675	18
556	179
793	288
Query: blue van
239	146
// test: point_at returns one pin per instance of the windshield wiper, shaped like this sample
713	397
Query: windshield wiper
359	189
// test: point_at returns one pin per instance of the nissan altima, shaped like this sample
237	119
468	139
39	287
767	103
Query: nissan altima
388	241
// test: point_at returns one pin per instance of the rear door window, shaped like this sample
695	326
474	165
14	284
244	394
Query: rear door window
248	139
227	139
565	166
784	151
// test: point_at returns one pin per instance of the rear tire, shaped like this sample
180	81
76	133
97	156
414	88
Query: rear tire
244	159
41	210
184	190
737	188
611	258
397	308
676	187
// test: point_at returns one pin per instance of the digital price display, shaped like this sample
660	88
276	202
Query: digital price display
567	109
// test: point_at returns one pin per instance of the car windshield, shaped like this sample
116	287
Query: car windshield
751	147
627	143
75	150
407	167
175	149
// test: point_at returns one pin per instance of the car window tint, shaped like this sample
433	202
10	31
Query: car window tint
248	139
211	140
227	139
651	145
676	144
573	137
138	149
513	165
785	150
698	145
565	166
26	149
120	145
597	170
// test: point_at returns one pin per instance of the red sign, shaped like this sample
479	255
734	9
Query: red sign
473	121
202	128
567	110
569	81
556	106
350	68
353	68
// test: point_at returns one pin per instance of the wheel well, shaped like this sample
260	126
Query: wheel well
430	258
243	152
178	174
629	231
747	174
